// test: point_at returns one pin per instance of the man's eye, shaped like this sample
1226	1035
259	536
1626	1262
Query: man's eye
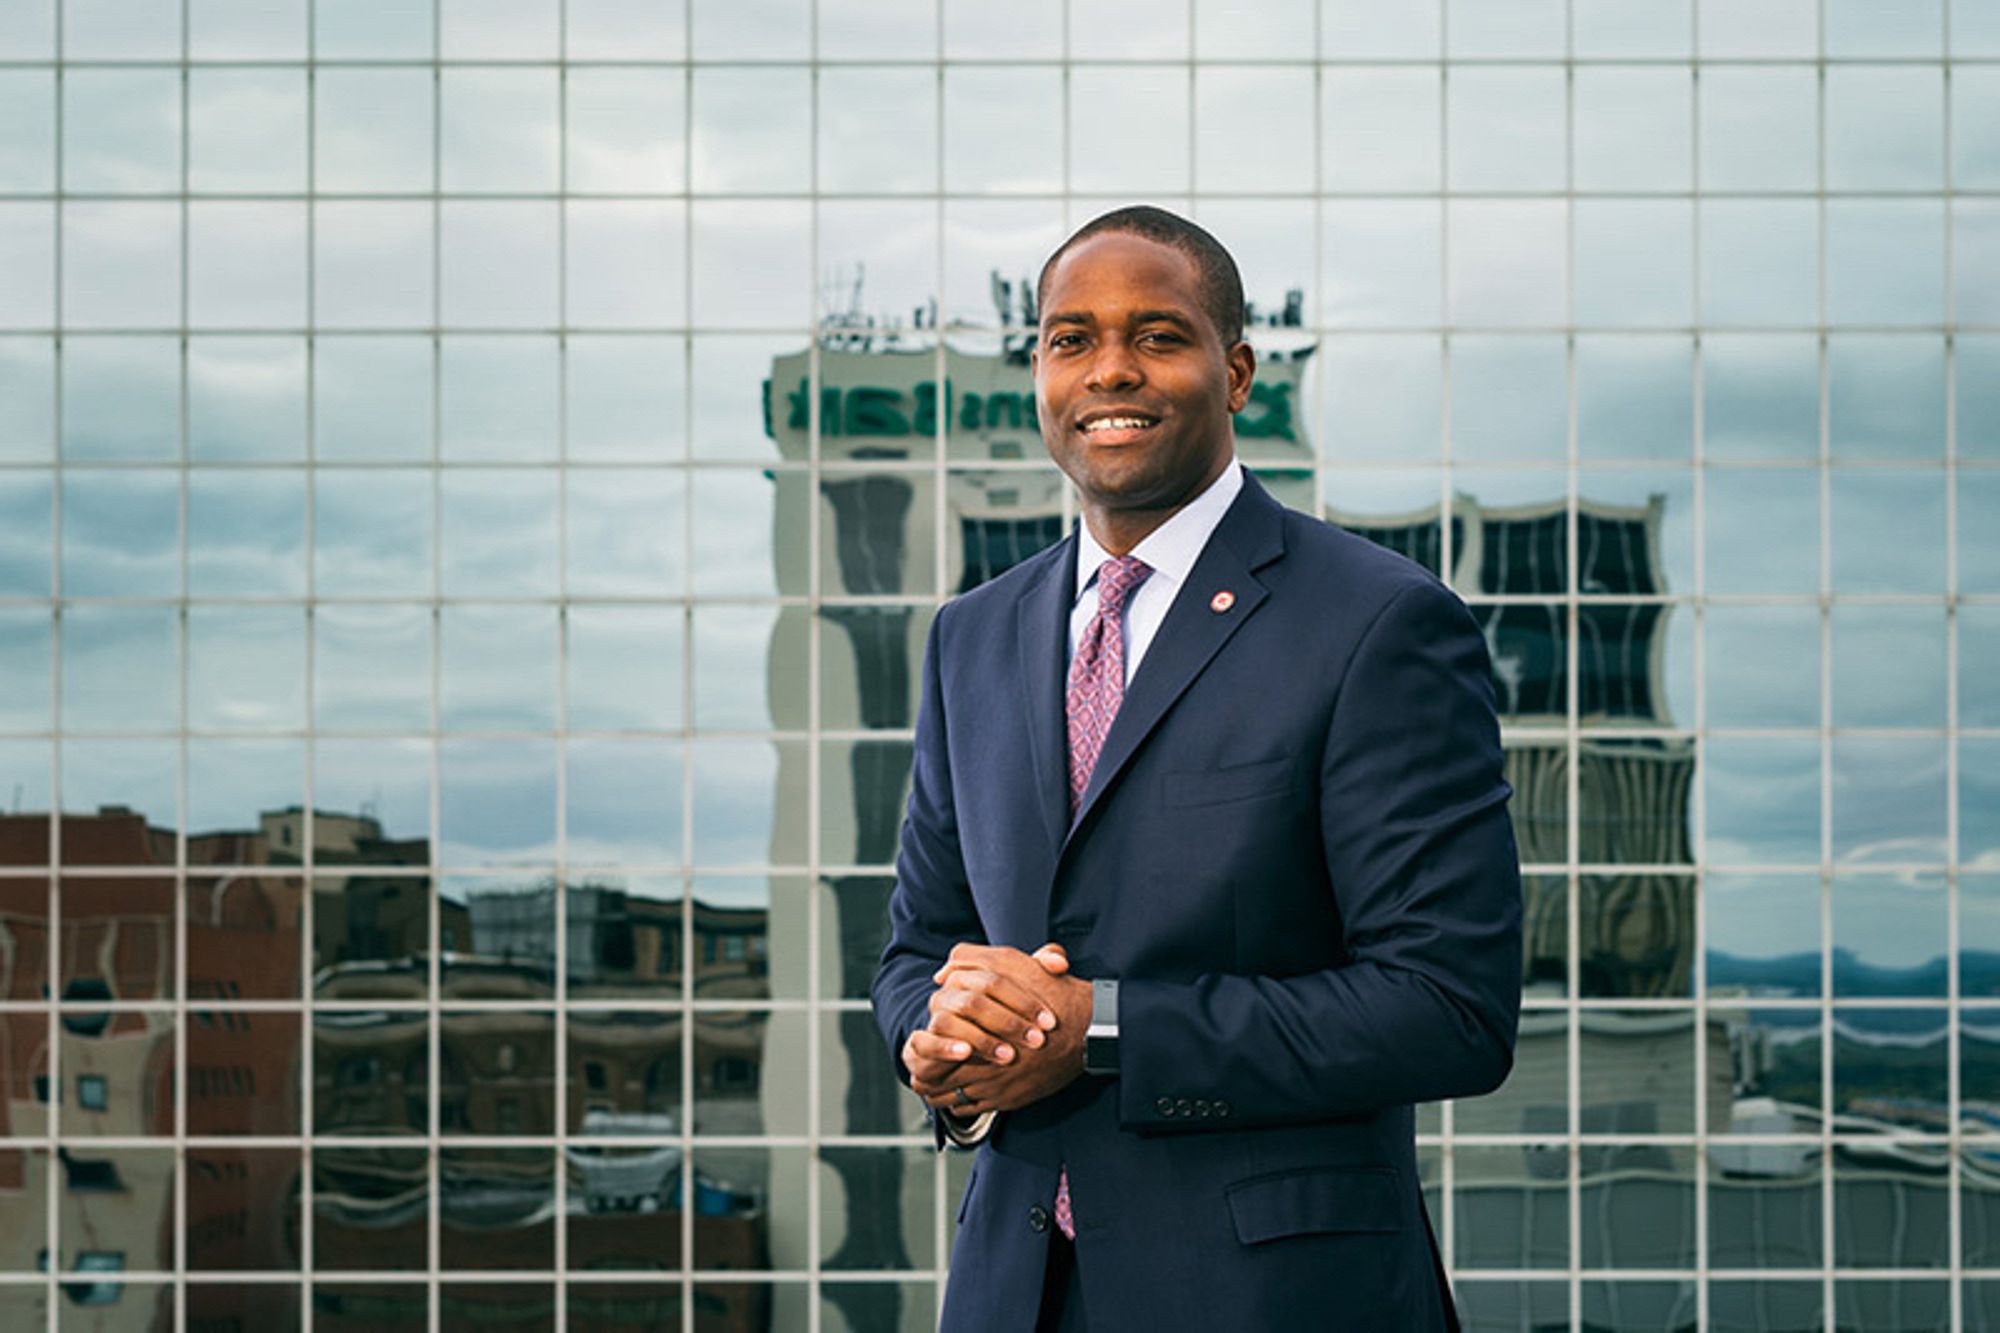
1160	338
1062	340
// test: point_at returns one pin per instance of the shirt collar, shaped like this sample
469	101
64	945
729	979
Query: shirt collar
1172	548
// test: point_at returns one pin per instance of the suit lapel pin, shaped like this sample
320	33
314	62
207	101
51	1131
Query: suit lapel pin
1222	601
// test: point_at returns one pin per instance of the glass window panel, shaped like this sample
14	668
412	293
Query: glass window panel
121	264
1636	934
624	803
119	668
27	399
747	802
1886	396
876	534
1765	1205
1496	28
25	767
738	1091
373	800
374	29
1978	507
738	519
499	532
864	786
749	669
751	129
1633	262
246	265
371	1210
1509	398
233	788
1508	262
246	668
372	265
877	1211
121	130
1975	261
28	147
497	668
242	1073
1979	975
752	265
372	668
1505	128
881	261
1874	28
247	29
500	131
1888	800
1350	28
1637	1076
246	398
139	775
626	127
1763	666
1764	941
1247	128
626	534
123	1054
732	941
625	1079
1384	398
1381	128
1760	396
1889	1068
1633	128
28	30
468	1181
121	534
625	668
499	29
27	265
1759	262
372	533
1624	28
870	662
26	642
500	264
625	30
372	398
1888	666
1031	29
877	129
496	801
1889	936
120	944
1783	28
626	938
1978	394
989	154
1975	126
1635	397
1762	530
1637	1210
1759	127
27	534
732	408
1234	29
1978	642
1621	508
1129	29
1884	261
122	29
1382	261
127	1193
246	130
627	398
372	129
752	30
500	399
1762	798
1128	127
1884	127
1888	530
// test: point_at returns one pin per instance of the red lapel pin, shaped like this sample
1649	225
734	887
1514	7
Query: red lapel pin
1222	601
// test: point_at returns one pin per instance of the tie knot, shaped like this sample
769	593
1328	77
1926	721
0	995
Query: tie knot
1116	578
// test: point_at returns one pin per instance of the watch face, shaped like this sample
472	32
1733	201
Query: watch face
1100	1055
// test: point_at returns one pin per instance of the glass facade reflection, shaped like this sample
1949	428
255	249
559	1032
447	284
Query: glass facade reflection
475	479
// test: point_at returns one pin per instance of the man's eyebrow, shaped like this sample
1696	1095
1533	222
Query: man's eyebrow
1066	317
1162	317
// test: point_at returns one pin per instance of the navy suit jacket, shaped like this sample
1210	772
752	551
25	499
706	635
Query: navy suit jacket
1295	856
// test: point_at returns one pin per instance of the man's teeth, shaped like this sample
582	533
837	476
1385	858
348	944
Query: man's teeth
1119	423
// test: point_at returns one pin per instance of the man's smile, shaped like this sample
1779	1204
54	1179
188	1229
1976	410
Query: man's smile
1116	425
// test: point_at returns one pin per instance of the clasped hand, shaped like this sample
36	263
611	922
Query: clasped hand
1006	1030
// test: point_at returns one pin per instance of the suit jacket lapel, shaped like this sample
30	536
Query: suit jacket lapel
1249	537
1043	633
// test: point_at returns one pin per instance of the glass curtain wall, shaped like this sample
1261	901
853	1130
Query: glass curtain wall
475	476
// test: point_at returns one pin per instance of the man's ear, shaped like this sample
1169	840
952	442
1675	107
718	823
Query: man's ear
1242	360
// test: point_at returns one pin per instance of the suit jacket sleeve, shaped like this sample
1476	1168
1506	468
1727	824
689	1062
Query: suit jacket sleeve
1421	862
931	908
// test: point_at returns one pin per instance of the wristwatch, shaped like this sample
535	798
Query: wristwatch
1100	1040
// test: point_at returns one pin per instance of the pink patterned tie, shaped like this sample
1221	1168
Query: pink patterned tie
1096	688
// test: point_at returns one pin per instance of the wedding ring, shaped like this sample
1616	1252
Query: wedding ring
963	1100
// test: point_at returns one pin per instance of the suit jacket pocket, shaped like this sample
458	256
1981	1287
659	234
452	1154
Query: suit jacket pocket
1320	1201
1238	782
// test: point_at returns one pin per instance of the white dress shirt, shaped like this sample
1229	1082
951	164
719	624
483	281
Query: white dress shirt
1171	549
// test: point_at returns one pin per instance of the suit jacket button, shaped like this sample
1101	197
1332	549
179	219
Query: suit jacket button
1165	1106
1201	1108
1183	1107
1222	1108
1038	1219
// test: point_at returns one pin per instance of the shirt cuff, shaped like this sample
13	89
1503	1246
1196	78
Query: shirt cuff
967	1133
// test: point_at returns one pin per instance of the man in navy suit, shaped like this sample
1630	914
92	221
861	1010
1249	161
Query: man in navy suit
1207	876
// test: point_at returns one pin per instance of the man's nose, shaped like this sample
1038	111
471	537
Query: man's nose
1112	366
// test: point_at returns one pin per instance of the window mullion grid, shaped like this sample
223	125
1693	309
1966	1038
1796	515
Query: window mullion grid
560	885
1829	1184
308	856
52	1123
179	1206
1954	982
433	1037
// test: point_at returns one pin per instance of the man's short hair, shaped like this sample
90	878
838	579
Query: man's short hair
1216	278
